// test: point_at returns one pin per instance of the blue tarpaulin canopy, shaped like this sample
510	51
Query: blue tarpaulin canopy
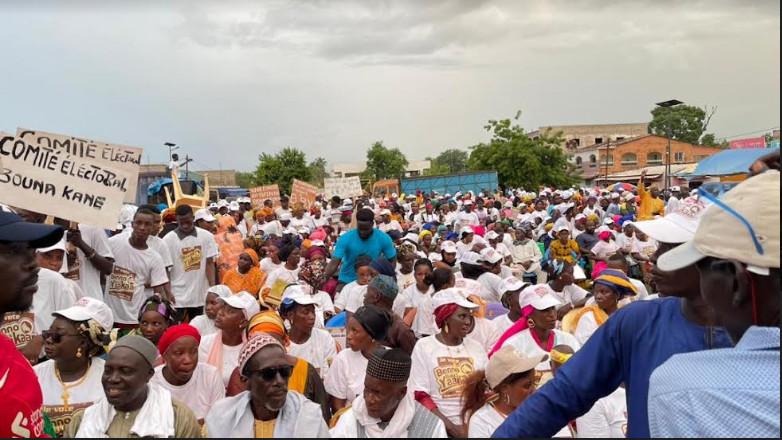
729	162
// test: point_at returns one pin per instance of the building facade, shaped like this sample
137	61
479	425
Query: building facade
629	154
576	137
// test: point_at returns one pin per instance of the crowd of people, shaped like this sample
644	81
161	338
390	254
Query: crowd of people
575	312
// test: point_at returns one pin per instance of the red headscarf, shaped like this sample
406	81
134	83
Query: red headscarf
442	313
175	332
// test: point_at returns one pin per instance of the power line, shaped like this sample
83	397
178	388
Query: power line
750	132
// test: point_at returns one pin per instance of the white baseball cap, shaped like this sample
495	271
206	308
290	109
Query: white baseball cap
296	293
451	296
629	197
512	284
59	246
385	211
466	230
234	206
507	361
561	228
615	195
491	256
581	217
678	226
471	258
491	235
89	308
213	205
221	290
222	203
468	202
509	204
538	297
204	214
448	247
317	243
411	237
305	230
742	225
608	221
290	231
245	302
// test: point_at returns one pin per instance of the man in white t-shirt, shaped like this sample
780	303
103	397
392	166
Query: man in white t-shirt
673	200
173	166
194	252
285	207
136	265
468	217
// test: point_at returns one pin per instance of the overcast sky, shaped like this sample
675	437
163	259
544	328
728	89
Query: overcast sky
228	80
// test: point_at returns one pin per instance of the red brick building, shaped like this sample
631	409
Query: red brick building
640	152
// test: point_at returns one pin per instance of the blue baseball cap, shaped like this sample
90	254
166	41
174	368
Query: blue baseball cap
13	228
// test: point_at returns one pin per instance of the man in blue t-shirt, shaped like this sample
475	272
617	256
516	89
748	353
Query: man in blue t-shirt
627	347
364	240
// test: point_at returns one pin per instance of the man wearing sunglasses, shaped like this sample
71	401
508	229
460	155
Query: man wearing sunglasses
735	392
267	409
21	413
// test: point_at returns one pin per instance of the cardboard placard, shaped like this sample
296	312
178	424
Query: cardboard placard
74	182
344	187
123	157
303	192
261	193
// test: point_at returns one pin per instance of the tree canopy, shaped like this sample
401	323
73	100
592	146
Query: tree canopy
318	171
521	161
685	123
385	163
282	168
450	161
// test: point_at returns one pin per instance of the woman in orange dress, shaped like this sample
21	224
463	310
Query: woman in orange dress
247	276
229	241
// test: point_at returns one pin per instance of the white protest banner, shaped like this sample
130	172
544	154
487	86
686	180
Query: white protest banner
261	193
303	192
77	184
344	187
121	157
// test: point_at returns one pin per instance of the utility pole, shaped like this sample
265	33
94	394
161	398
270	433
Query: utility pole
188	159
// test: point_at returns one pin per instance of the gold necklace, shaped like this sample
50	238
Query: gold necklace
65	387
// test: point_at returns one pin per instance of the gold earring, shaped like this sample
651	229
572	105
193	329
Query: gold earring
530	323
446	329
79	353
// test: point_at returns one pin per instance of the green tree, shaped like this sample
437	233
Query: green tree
521	161
449	161
245	180
385	163
282	168
685	123
709	140
436	169
318	172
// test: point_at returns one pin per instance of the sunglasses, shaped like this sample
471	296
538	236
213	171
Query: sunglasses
269	374
56	337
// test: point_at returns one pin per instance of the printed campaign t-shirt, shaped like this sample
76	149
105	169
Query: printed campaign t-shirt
21	414
81	394
570	294
350	246
82	270
440	370
188	274
645	248
133	269
351	297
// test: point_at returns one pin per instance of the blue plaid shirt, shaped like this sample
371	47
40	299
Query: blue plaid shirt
732	392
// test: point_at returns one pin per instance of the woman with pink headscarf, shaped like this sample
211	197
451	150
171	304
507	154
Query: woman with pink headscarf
606	247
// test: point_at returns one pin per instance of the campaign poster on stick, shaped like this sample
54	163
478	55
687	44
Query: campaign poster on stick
303	192
344	187
261	193
77	182
122	157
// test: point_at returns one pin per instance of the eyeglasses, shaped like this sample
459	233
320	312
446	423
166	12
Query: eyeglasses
56	337
269	374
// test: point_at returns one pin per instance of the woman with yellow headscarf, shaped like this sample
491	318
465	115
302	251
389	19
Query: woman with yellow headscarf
304	380
247	276
609	288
